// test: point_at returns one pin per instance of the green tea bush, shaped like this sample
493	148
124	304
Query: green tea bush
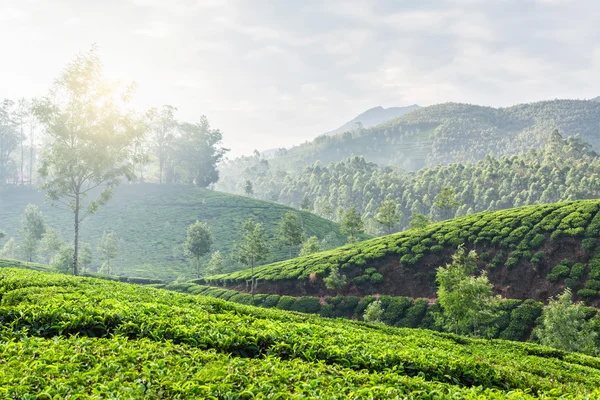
577	271
286	302
589	244
307	304
271	301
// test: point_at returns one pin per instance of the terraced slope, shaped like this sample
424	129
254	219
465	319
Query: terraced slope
151	220
530	252
97	339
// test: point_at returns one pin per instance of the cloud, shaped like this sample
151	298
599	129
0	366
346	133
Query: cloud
270	74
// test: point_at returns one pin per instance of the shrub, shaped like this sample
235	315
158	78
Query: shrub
436	249
376	278
362	305
307	304
538	257
370	271
589	244
241	298
558	272
415	314
373	312
394	308
511	262
286	302
522	320
577	271
587	294
571	283
592	284
335	279
271	301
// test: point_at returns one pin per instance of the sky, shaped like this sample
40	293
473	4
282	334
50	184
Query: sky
274	73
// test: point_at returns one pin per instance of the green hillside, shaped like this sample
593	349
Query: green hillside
151	220
97	339
530	252
448	133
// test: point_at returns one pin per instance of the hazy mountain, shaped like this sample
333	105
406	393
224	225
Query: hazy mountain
373	117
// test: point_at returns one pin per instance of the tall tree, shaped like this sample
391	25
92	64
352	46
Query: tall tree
163	127
291	231
109	250
352	224
388	215
51	243
9	139
467	301
22	115
419	221
253	247
248	189
216	264
33	227
198	243
305	203
198	151
446	202
564	325
91	139
312	245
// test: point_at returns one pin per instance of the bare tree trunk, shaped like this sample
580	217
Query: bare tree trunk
76	242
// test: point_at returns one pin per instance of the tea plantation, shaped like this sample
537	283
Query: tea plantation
529	252
150	220
75	337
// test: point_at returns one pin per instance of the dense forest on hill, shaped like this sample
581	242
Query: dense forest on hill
564	169
93	338
441	134
151	220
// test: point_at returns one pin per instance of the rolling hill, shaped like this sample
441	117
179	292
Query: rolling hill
96	339
530	252
151	220
451	132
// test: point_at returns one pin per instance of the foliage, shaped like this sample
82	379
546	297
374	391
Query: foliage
373	312
91	139
108	248
419	221
312	245
198	243
467	300
291	231
388	215
253	247
33	227
352	224
216	264
564	326
51	243
445	202
334	280
155	343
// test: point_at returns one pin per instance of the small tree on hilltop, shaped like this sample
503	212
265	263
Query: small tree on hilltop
216	264
388	215
419	221
248	188
253	247
90	142
305	203
312	245
32	230
198	243
109	250
564	326
446	202
468	301
352	224
291	231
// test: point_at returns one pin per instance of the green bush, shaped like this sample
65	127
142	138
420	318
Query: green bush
271	301
376	278
537	241
577	271
394	308
286	302
592	284
571	283
538	257
307	304
558	272
587	294
362	305
522	320
511	262
589	244
415	314
242	298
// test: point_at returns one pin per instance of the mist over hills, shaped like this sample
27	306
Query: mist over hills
373	117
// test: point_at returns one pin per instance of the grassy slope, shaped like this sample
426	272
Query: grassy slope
97	338
521	248
437	134
151	219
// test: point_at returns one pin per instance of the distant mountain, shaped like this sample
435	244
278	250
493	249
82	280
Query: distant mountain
450	133
373	117
596	99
